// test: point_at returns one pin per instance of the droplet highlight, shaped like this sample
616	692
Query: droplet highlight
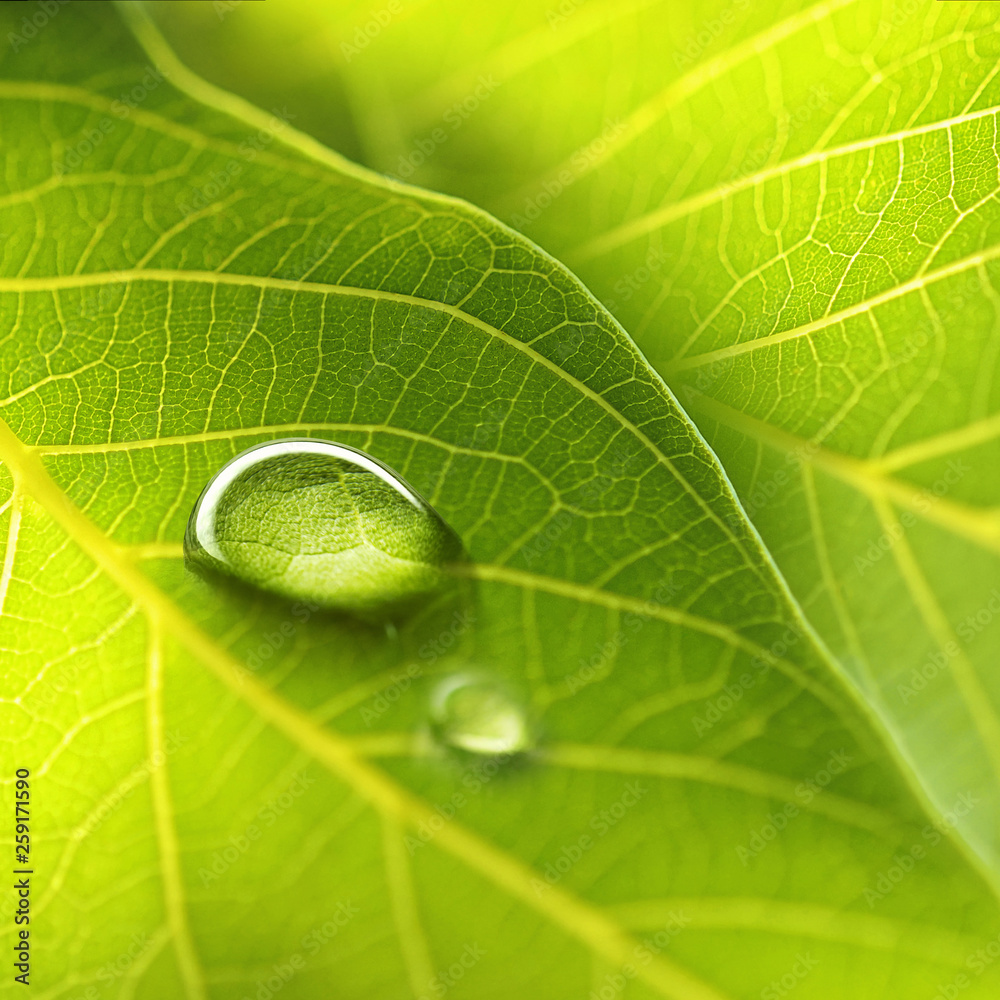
323	523
475	713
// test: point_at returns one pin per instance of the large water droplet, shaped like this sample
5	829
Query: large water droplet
475	713
320	522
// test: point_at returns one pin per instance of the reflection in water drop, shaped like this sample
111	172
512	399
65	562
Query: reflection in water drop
320	522
475	713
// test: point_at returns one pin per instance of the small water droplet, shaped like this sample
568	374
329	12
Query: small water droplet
475	713
323	523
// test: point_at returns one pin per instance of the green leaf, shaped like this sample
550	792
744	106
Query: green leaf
792	208
233	796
